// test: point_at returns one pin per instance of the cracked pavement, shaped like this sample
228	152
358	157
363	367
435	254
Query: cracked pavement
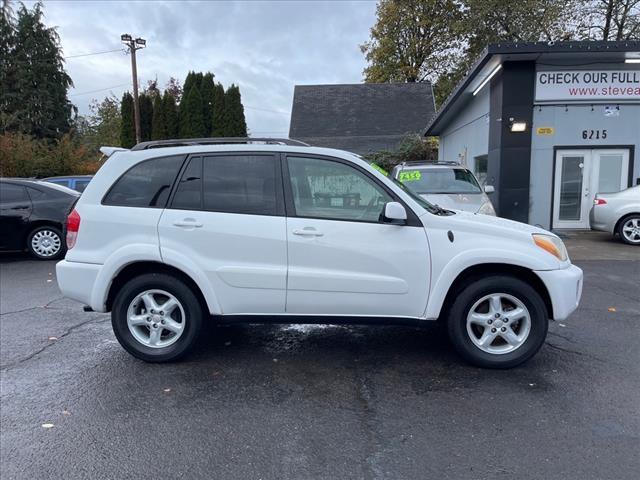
303	402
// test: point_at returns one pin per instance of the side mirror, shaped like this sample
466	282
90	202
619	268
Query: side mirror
489	189
395	213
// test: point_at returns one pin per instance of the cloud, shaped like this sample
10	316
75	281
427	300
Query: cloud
265	47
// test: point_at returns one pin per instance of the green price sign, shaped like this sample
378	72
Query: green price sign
410	176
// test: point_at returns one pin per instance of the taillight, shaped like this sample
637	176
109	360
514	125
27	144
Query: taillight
599	201
73	225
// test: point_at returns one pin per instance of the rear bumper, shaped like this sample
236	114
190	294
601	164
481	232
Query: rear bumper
565	289
597	223
77	281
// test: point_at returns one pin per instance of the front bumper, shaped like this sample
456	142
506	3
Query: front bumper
565	289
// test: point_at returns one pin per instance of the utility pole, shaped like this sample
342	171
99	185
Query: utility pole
133	45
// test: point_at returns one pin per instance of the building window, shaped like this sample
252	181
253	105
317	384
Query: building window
480	168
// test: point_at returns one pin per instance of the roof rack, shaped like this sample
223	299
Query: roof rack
217	141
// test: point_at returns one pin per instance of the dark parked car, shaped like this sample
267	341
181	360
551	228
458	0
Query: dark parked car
32	215
74	182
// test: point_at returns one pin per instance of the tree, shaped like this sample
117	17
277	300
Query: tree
438	40
207	90
610	20
411	148
234	124
159	126
7	67
127	126
146	116
34	93
170	114
103	126
412	40
191	118
192	79
217	129
174	89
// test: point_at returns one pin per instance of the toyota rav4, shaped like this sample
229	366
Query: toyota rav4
171	234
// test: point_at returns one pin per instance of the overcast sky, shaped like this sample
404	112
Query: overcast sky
265	47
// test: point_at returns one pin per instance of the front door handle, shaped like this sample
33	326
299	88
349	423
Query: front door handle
308	232
188	223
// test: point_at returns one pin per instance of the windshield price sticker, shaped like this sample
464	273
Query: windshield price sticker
410	176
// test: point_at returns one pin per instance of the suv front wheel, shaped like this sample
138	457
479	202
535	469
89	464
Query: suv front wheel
498	322
156	317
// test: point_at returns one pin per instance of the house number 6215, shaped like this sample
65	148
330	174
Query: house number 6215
594	134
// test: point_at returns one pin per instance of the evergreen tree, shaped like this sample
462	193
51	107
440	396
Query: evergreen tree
158	124
234	121
192	79
191	118
207	90
36	98
146	116
7	68
170	115
127	126
217	129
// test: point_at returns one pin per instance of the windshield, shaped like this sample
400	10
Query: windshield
430	207
439	180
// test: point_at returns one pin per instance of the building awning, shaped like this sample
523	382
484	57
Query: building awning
554	54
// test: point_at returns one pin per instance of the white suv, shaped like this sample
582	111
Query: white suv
172	233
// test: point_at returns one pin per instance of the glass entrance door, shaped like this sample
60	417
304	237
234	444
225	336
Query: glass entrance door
579	175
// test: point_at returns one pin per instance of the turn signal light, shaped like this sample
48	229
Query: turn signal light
599	201
73	225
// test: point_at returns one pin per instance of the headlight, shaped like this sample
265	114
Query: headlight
487	209
551	244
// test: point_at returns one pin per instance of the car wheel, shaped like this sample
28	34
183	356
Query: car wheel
156	317
497	322
629	229
46	243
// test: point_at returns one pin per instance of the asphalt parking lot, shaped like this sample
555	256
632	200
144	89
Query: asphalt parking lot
300	402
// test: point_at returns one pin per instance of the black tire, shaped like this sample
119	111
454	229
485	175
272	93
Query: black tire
633	216
183	293
51	233
476	290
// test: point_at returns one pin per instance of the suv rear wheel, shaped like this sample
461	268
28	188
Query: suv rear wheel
156	317
497	322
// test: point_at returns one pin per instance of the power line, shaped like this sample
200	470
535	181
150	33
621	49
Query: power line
93	53
100	90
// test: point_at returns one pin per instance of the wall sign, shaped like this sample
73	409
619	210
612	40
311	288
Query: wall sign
588	85
545	131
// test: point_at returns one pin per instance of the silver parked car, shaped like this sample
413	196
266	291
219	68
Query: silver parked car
446	184
618	213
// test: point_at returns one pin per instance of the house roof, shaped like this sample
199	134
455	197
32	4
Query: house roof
552	52
362	117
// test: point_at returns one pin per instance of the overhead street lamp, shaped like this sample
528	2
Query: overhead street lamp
133	45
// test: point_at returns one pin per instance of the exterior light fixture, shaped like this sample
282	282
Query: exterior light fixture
125	38
141	42
518	126
632	60
486	80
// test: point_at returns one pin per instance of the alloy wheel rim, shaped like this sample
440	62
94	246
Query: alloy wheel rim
631	230
46	243
156	318
498	323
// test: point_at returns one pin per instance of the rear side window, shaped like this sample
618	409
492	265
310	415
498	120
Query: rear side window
10	193
146	184
241	184
81	185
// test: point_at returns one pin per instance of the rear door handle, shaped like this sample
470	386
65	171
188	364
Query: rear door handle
308	232
188	223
